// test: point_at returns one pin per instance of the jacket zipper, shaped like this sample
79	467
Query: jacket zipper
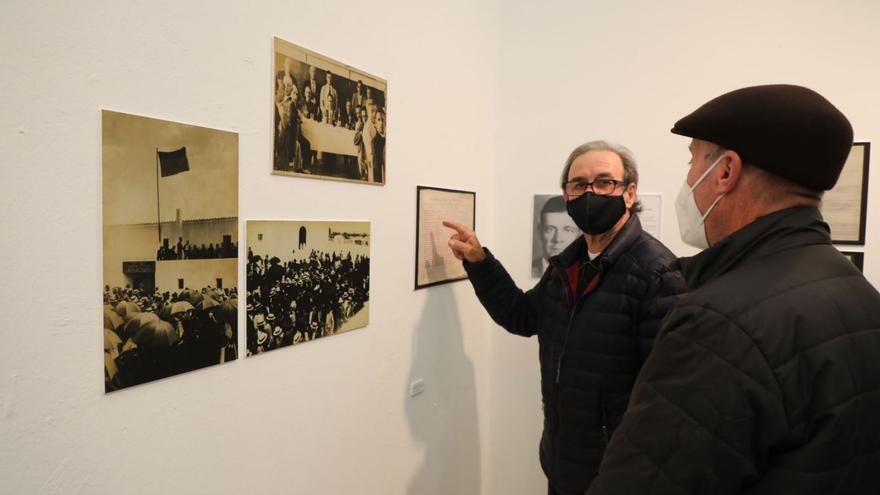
567	291
565	342
604	411
578	299
577	303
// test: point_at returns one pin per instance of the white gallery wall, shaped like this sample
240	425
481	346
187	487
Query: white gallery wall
484	96
329	417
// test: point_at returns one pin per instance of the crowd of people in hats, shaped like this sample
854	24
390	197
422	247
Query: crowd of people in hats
148	336
301	300
186	251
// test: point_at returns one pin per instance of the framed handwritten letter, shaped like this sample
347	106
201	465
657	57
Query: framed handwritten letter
435	263
845	206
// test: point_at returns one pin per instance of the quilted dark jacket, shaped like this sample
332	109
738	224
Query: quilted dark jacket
590	351
765	378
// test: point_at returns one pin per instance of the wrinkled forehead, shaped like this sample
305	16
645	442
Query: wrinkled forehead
596	164
698	147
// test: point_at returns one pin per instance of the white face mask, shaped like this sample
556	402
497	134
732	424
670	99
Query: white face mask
690	220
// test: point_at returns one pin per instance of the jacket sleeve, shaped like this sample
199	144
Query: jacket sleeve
704	411
665	288
510	307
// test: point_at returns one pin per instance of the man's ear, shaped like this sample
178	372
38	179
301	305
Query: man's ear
629	195
730	173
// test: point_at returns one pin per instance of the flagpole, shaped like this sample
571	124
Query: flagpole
158	211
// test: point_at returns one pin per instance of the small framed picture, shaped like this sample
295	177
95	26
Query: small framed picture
845	206
435	263
651	214
858	258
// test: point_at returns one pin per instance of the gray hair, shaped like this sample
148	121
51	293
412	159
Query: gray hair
630	170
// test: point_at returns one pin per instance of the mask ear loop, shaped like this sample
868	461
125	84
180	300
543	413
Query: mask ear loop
714	164
703	218
697	183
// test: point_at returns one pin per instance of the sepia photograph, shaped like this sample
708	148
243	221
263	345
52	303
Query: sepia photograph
305	280
170	238
552	230
435	263
845	206
329	118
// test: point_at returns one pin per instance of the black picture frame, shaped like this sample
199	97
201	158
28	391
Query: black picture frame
857	258
839	204
441	255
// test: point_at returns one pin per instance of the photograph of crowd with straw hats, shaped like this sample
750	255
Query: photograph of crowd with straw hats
305	280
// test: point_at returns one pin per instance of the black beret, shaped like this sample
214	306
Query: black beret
787	130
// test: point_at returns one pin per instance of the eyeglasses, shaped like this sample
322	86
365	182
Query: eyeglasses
602	187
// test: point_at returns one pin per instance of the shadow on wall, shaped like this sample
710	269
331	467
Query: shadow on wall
444	417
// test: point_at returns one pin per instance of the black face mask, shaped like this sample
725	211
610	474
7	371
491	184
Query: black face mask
596	214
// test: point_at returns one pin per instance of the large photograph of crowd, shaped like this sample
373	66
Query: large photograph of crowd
329	118
305	280
170	239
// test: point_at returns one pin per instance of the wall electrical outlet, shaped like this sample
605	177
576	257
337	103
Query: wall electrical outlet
416	387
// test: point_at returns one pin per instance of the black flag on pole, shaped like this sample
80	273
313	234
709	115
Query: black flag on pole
173	162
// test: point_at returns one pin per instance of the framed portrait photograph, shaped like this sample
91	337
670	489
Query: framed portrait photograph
552	230
845	206
435	263
170	257
857	258
329	118
305	280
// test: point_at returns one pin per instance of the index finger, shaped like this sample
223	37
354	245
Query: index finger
460	228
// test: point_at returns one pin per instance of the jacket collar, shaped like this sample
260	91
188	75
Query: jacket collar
777	231
577	250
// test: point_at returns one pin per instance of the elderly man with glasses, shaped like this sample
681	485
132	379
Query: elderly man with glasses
595	310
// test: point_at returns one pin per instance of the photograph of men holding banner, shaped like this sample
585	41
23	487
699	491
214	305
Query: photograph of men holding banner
329	118
170	225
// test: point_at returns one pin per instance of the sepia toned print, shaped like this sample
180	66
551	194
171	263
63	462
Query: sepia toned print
305	280
329	118
170	229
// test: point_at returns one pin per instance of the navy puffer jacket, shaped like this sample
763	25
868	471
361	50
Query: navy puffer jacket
591	347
